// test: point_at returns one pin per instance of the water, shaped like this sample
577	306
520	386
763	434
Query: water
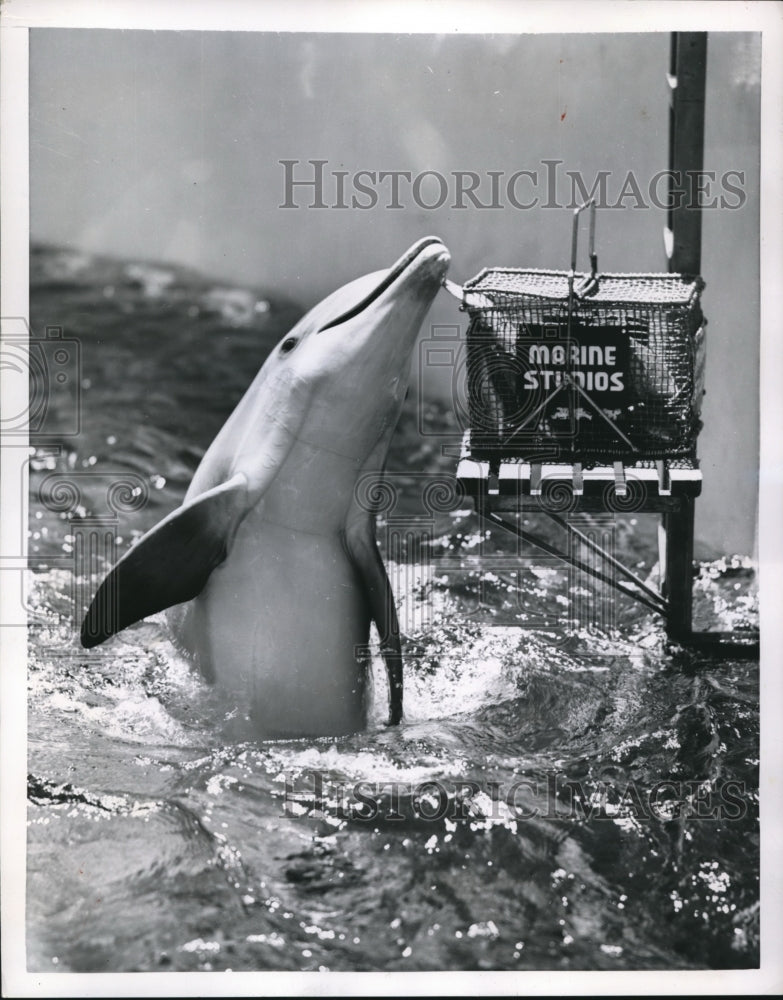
574	797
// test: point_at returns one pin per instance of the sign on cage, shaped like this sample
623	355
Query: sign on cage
591	367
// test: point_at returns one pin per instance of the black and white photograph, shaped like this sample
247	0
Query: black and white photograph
390	487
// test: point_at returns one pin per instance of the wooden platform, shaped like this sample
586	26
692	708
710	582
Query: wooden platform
667	487
648	486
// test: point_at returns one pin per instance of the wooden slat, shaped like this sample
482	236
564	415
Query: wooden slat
578	479
620	485
664	479
535	478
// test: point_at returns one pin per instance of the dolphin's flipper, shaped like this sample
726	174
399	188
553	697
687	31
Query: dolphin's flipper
362	547
170	564
363	552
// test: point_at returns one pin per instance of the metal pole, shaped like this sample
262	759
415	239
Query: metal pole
682	239
687	78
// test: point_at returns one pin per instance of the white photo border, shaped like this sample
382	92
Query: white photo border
436	16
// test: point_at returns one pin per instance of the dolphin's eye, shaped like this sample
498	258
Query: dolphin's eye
288	345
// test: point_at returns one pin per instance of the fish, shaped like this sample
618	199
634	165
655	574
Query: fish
270	572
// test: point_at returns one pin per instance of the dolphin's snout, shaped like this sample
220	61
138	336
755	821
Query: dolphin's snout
433	261
428	246
428	257
424	242
433	245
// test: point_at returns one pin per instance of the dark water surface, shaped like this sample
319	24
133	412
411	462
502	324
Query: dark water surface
571	797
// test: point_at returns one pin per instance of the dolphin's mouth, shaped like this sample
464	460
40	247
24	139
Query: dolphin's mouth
394	273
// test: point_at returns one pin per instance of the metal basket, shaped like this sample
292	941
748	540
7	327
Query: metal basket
584	367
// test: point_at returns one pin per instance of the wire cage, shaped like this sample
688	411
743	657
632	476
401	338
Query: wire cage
589	367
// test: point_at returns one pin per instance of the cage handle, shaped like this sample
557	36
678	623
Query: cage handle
590	285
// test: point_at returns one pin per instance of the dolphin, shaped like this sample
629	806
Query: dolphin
270	568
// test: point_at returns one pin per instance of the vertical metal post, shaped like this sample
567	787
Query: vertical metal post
678	580
687	82
687	78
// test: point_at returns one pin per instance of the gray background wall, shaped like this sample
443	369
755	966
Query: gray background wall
166	146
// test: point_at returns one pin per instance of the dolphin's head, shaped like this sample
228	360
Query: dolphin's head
354	319
353	350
